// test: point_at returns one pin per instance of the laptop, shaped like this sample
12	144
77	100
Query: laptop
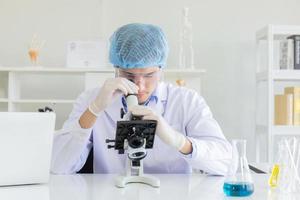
25	147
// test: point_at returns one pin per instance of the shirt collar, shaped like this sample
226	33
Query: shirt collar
161	92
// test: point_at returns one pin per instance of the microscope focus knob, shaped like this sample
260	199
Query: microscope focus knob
122	113
110	146
108	141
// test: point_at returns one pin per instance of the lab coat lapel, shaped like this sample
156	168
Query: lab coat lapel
161	93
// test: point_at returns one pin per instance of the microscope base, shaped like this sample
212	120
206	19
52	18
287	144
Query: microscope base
121	181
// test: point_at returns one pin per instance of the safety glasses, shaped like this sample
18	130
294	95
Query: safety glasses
147	77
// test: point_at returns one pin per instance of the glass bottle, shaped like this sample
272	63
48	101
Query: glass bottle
186	51
238	181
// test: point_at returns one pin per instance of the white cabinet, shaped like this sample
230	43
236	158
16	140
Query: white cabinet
30	88
270	80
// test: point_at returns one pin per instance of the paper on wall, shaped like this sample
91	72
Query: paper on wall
87	54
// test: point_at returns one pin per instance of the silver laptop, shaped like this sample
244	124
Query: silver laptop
25	147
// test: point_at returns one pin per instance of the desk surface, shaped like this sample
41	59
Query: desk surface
96	186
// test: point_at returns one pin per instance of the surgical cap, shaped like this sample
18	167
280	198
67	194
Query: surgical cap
138	46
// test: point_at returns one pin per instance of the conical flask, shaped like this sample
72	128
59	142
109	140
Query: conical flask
238	181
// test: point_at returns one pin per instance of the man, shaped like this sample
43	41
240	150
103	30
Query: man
187	136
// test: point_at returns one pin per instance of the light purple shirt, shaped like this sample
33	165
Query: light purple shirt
182	108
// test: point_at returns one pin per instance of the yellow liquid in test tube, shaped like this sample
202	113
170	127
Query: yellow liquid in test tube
274	176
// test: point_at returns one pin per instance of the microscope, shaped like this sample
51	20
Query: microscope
134	136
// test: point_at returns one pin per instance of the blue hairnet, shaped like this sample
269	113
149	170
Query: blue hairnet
138	46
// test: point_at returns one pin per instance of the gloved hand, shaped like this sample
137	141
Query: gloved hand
111	89
165	132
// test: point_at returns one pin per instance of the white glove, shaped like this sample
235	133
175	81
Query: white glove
165	132
111	89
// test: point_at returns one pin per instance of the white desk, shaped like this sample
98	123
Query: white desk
175	187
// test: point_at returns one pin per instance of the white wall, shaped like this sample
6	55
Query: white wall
223	35
56	21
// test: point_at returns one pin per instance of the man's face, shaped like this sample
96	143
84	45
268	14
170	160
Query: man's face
146	79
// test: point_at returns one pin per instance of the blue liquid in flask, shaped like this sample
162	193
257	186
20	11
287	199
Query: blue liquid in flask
237	189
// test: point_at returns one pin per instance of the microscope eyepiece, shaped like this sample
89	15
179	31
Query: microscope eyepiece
132	100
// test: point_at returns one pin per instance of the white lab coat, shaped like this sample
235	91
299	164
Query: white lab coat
182	108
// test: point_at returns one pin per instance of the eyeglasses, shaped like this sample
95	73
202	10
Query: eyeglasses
151	76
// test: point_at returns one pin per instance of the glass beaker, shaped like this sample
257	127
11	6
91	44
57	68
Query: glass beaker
238	181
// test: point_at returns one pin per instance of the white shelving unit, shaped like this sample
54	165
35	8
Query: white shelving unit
30	88
271	81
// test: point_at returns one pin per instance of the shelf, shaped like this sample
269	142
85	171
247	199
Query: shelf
57	101
287	130
289	75
56	69
83	70
185	71
279	75
3	100
279	31
279	129
28	88
273	80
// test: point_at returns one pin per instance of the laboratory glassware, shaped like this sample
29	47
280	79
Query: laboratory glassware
186	50
238	181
